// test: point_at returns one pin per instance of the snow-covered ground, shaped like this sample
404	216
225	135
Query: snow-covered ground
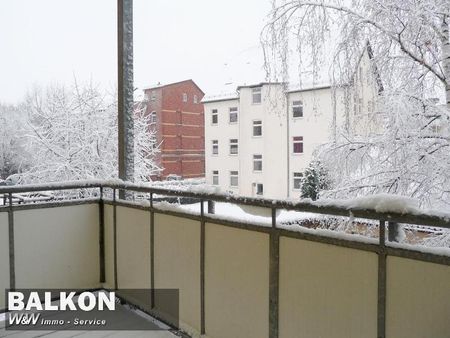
421	238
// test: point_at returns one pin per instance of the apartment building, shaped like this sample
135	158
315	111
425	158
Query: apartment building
259	141
177	114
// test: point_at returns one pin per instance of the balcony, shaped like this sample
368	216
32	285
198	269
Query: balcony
236	277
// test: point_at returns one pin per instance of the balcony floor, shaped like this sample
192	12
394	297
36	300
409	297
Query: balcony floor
160	330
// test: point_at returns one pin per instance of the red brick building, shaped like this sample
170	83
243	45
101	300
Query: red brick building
177	110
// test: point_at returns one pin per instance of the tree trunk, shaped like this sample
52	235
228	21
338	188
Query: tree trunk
446	57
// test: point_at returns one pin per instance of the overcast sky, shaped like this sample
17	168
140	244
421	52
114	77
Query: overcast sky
52	41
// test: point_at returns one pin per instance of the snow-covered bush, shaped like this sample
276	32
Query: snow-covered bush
315	179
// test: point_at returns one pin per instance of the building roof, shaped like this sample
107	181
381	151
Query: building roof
221	97
159	85
259	85
307	89
235	95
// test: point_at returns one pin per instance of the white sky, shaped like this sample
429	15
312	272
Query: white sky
52	41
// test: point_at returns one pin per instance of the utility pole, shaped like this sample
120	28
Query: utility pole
125	90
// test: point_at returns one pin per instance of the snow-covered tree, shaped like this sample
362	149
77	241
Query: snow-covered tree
146	146
315	180
13	157
73	136
410	62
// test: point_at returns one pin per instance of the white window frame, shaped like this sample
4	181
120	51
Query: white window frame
257	158
257	93
215	146
257	124
214	113
233	111
195	99
297	104
185	97
234	143
294	142
215	177
297	176
234	174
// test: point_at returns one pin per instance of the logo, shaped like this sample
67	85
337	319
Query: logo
122	309
87	301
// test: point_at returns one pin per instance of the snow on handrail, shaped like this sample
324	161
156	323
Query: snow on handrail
378	207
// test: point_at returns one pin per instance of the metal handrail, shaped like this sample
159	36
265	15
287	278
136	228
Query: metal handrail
441	220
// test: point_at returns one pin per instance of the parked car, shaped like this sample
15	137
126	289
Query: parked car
12	180
173	177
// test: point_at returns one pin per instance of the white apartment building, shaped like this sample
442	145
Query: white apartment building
259	142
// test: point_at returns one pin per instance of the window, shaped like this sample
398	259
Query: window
215	147
233	114
257	162
256	95
298	178
146	97
195	99
214	116
257	128
259	189
298	144
185	97
233	146
153	96
153	117
234	178
215	177
297	109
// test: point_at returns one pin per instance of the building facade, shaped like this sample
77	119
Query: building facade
178	118
259	141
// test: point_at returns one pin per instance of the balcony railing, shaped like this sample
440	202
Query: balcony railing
237	277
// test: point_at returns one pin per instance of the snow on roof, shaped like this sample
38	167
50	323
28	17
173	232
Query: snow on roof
304	87
220	97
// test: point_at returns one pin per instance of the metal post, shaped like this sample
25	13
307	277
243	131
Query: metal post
116	283
274	275
202	267
12	265
101	238
393	231
211	207
381	311
125	91
152	253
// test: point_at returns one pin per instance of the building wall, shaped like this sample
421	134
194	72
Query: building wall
272	145
275	144
223	131
316	127
180	128
364	119
327	113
